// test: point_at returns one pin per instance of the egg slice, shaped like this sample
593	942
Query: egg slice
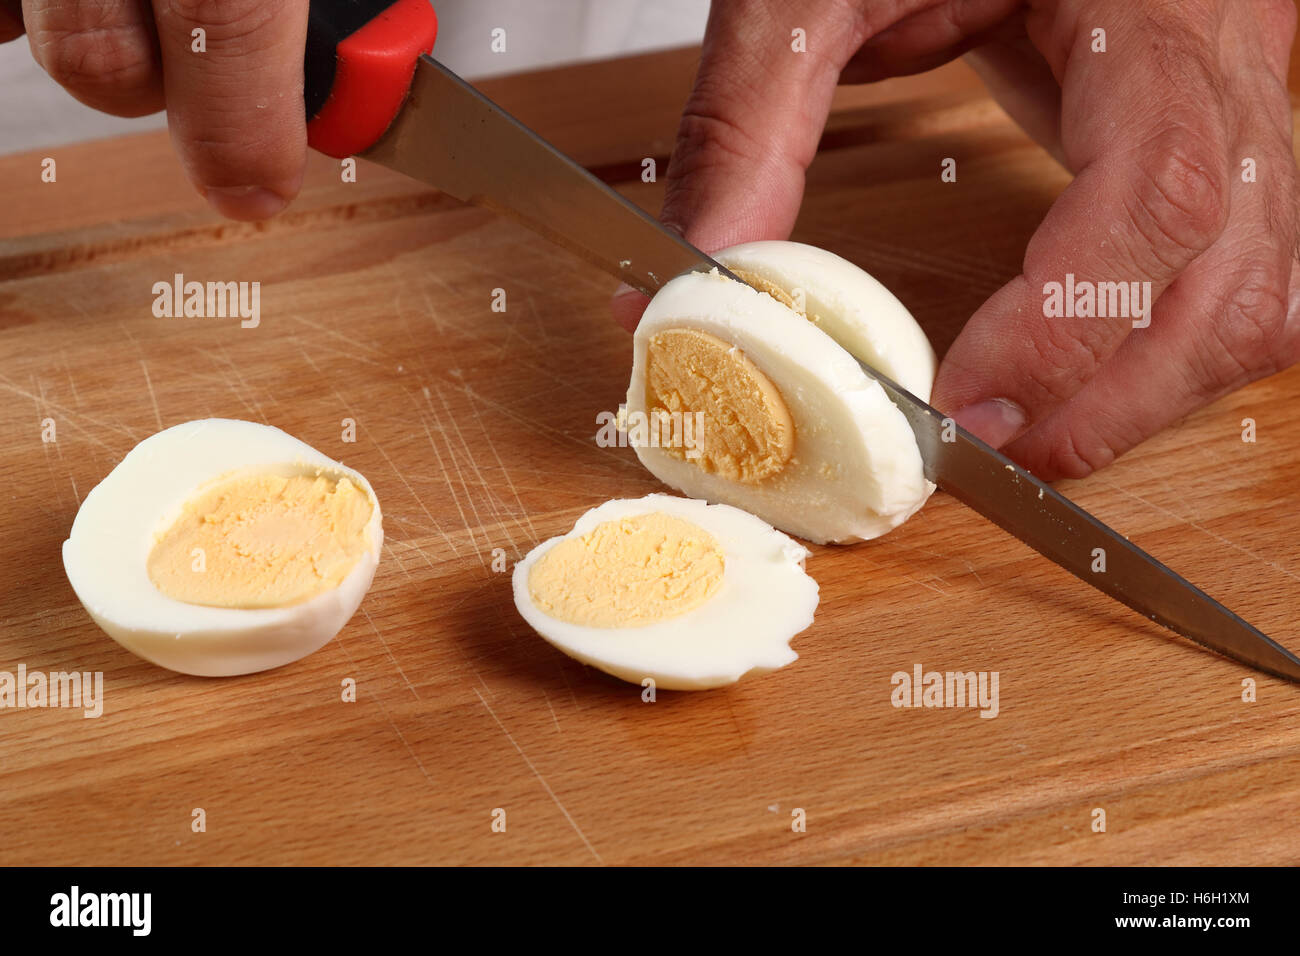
755	398
687	594
223	547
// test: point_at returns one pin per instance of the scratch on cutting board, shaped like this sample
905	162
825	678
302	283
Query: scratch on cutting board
451	543
740	734
552	710
392	556
355	342
1217	537
931	586
473	461
238	374
302	350
63	354
409	544
389	652
565	677
157	413
510	482
473	592
465	390
354	356
549	429
925	584
384	710
72	415
432	312
45	446
452	452
218	379
455	498
540	779
40	404
545	373
402	478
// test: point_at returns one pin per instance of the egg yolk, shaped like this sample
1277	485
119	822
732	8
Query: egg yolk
756	281
746	433
629	572
259	541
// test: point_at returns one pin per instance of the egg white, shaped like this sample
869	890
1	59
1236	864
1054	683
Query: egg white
856	471
743	629
106	553
849	304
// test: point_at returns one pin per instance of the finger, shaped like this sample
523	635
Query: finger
1151	195
1205	341
628	304
236	110
992	37
11	20
928	38
1232	317
103	52
751	126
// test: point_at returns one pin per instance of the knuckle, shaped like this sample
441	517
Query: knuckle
232	19
1075	456
1057	360
98	63
1181	197
1252	332
705	137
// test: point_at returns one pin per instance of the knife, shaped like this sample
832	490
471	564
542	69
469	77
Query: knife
372	90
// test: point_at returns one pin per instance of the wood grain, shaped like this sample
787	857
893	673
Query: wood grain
476	430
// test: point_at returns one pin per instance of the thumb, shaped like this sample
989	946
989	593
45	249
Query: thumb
751	125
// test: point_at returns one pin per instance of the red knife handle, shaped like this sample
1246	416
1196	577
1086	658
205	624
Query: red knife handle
360	58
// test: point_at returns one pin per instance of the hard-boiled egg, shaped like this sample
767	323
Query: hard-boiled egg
684	593
223	547
755	398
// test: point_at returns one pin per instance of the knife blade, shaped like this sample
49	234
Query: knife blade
452	137
1033	511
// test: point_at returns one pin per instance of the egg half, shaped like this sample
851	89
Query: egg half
687	594
222	547
752	395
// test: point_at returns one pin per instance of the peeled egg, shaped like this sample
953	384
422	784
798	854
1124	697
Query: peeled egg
756	398
685	593
222	547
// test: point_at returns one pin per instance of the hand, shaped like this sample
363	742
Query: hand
235	111
1156	130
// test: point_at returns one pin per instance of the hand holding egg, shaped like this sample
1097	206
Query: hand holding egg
1162	132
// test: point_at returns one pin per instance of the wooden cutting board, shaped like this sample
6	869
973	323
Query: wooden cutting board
476	430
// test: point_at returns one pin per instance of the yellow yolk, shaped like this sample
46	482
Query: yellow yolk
259	541
628	573
754	280
762	284
746	433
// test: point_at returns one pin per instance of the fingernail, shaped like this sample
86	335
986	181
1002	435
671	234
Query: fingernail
244	202
995	420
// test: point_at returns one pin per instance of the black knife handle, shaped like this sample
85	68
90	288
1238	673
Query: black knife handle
357	70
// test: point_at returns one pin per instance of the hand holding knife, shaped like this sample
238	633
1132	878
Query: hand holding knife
372	90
